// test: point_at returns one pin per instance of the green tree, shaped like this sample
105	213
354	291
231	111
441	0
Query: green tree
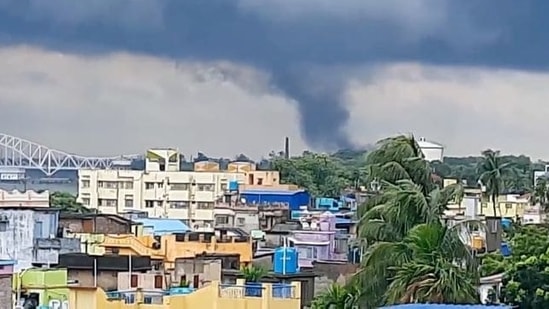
492	170
66	202
320	174
407	198
424	267
337	297
526	283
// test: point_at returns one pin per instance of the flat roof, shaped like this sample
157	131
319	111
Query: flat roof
272	192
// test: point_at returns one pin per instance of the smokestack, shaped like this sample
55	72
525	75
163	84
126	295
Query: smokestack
287	148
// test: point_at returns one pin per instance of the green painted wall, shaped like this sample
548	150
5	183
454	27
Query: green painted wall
50	284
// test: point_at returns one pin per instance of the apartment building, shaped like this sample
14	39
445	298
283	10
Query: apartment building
163	190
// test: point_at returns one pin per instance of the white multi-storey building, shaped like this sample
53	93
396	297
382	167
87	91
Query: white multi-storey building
162	190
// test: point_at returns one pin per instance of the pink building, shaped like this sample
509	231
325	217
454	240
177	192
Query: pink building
318	240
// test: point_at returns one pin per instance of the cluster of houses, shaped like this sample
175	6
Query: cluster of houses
167	238
135	258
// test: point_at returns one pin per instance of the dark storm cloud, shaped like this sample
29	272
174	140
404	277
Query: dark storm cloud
297	41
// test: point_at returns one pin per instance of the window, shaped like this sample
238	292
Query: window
133	281
106	202
85	183
259	181
158	280
305	252
341	246
126	185
128	201
224	187
221	220
206	187
149	185
107	184
508	205
38	229
179	186
205	205
149	204
86	201
4	226
241	221
179	204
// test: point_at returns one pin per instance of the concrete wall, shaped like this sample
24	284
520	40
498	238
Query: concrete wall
17	241
207	270
212	296
28	198
5	292
99	225
107	280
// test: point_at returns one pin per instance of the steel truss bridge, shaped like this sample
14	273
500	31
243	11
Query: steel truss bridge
23	154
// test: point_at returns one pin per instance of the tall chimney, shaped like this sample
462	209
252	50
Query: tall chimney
287	148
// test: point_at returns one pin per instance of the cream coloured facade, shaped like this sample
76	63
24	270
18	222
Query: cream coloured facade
27	198
163	190
178	194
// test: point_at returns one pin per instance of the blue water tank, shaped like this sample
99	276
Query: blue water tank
285	261
505	249
233	185
506	223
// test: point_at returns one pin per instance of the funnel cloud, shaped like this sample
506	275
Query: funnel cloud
310	50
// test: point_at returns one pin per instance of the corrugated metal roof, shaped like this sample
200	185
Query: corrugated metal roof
272	192
162	226
445	306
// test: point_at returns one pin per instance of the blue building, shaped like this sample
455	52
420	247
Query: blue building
335	205
294	198
30	235
162	226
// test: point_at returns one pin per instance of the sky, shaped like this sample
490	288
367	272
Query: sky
224	77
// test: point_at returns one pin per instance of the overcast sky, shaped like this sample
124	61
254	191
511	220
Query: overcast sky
109	77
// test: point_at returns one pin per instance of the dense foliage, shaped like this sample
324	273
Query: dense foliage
327	175
66	202
526	279
411	256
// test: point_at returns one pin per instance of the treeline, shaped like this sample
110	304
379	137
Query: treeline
329	174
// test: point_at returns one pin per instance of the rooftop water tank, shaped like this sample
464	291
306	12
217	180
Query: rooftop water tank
505	249
233	186
432	151
506	223
285	261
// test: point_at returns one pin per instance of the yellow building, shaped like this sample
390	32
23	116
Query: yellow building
168	248
213	296
507	205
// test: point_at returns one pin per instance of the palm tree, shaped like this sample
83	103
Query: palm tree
337	297
408	197
399	158
430	264
492	170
